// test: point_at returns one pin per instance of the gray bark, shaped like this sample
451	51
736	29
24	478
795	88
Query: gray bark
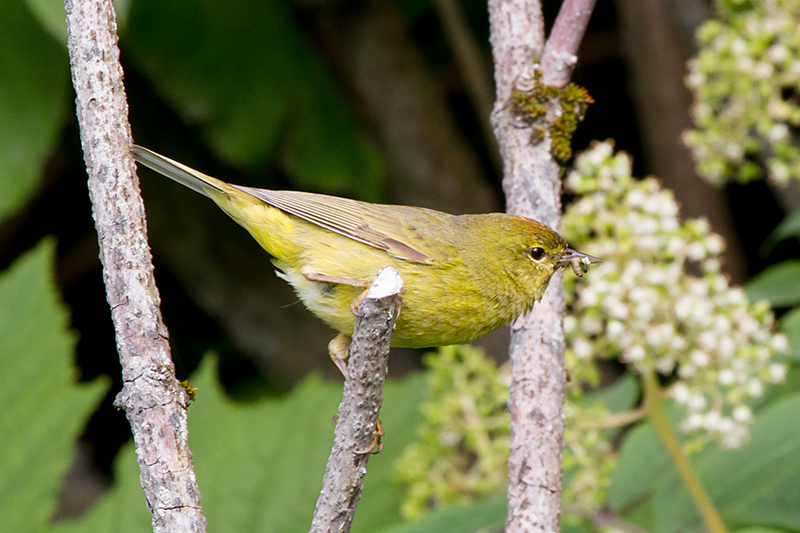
361	402
532	183
152	398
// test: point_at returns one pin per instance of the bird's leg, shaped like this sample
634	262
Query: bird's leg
339	350
376	445
316	276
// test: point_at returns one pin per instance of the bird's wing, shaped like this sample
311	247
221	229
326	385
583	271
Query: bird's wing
382	226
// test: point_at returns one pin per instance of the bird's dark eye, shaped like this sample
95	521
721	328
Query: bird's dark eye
536	253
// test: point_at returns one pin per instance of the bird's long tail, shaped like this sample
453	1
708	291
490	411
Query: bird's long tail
197	181
267	224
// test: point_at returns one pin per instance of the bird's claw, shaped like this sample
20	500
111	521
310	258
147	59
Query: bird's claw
376	442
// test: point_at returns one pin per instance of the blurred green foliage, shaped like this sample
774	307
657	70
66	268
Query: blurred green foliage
248	77
34	84
260	466
755	484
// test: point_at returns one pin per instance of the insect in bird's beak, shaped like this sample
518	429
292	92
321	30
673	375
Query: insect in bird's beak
578	261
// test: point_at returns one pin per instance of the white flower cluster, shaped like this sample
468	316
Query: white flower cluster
746	82
644	305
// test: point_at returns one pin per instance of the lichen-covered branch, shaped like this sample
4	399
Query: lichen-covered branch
357	423
152	398
532	183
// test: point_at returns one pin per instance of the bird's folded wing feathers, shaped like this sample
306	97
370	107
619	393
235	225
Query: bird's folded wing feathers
371	224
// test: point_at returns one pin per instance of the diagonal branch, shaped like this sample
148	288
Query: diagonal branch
152	398
561	49
361	402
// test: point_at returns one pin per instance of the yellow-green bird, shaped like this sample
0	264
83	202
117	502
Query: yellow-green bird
464	275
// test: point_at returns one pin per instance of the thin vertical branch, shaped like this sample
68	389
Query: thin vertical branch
532	183
152	398
357	423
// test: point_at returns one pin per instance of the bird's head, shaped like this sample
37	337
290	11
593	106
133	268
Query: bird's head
531	253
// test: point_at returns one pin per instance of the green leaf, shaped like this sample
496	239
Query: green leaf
779	284
53	18
122	509
575	524
34	81
488	515
260	466
758	483
790	227
43	410
790	326
620	396
789	386
481	516
641	464
247	75
759	529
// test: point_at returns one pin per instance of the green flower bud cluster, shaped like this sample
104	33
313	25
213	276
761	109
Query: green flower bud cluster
462	450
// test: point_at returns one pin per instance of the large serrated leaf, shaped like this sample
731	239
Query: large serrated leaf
34	80
43	410
260	466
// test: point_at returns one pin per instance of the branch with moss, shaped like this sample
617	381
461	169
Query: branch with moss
532	182
152	398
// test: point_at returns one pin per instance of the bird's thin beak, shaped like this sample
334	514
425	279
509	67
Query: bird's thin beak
578	260
569	255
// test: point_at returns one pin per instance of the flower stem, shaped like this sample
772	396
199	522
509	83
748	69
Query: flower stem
654	399
615	420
